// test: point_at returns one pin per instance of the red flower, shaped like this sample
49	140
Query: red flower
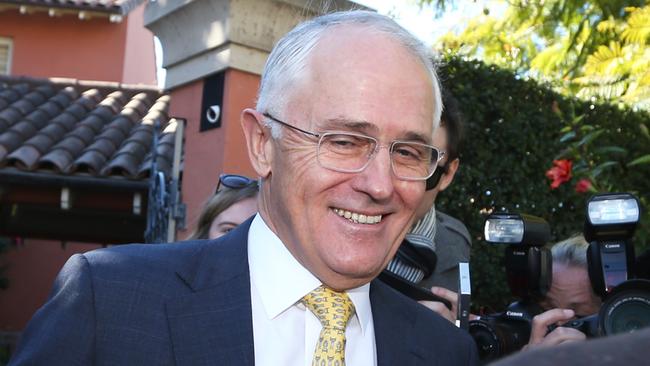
560	173
583	185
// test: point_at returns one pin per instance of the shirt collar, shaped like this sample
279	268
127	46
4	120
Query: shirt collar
423	232
282	281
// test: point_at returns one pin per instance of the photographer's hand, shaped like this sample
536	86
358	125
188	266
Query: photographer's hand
539	335
439	307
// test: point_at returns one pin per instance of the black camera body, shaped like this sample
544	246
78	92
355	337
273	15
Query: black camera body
626	309
503	333
609	228
529	275
587	325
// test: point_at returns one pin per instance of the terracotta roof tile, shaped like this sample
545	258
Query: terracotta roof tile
27	155
72	127
12	94
15	135
119	7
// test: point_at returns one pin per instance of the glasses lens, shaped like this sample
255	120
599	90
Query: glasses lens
235	181
412	160
345	152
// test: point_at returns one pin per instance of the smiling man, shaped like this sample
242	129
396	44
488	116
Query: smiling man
341	138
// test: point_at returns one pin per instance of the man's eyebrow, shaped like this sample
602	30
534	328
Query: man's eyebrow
368	128
346	124
418	137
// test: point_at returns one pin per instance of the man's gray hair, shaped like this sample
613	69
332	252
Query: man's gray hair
571	252
289	57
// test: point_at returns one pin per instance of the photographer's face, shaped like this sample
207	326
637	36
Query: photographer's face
439	141
571	289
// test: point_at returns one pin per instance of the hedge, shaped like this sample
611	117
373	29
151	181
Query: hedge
512	135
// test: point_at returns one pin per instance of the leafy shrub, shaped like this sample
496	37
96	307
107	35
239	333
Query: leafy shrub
512	135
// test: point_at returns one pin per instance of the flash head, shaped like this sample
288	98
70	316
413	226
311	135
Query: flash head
611	215
522	229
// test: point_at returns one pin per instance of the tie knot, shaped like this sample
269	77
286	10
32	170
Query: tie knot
332	308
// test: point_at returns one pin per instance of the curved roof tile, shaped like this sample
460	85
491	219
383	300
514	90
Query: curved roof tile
24	158
11	93
55	161
118	7
73	127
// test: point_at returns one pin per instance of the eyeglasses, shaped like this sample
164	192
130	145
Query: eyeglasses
349	152
234	181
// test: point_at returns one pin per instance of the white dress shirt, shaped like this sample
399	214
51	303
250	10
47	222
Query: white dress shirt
284	331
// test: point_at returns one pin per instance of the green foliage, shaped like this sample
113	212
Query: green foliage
589	48
596	156
513	133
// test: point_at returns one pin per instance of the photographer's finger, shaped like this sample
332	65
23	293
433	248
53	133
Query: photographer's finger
562	335
446	294
541	322
441	309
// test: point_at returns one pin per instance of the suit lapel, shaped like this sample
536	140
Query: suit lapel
396	345
213	324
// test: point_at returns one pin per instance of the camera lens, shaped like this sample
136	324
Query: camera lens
626	309
487	341
498	336
628	312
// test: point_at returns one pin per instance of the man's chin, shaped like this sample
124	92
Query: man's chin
344	278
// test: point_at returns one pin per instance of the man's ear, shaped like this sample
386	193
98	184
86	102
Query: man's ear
258	141
448	177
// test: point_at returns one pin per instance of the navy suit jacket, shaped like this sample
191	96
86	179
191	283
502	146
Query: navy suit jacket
189	304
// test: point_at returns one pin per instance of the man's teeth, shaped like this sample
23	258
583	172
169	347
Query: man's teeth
358	218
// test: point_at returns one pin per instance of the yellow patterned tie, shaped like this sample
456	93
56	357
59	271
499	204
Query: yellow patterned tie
333	309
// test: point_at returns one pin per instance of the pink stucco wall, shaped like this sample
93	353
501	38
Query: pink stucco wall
139	55
212	152
65	46
31	267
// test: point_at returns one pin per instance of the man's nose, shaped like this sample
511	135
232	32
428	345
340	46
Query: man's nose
377	178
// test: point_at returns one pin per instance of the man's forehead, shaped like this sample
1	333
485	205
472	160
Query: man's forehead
440	137
371	84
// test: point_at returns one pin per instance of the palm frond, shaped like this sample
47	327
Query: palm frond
638	26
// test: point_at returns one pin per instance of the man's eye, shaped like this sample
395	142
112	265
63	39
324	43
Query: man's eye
407	153
342	143
345	141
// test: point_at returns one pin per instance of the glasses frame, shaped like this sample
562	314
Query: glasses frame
434	179
320	138
229	181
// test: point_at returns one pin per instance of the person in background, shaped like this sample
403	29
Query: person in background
451	238
234	201
437	240
570	295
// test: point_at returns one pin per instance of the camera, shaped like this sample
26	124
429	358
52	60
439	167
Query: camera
609	227
625	310
497	335
528	272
